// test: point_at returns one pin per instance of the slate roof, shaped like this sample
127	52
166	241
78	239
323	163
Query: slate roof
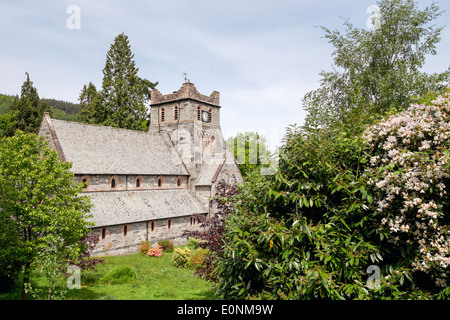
121	207
106	150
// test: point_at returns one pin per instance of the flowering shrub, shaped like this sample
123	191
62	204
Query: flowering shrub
409	172
155	252
197	258
143	247
180	257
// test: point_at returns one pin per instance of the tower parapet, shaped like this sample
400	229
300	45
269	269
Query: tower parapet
187	91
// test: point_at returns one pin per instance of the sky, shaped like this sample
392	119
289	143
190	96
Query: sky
262	56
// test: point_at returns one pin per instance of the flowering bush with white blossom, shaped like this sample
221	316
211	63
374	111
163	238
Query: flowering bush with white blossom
409	171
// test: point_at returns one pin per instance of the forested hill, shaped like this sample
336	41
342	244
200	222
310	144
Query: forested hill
63	110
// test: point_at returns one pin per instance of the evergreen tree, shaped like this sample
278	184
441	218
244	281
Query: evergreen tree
92	110
124	93
29	109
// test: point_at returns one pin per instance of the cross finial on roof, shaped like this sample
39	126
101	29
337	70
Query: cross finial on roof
185	77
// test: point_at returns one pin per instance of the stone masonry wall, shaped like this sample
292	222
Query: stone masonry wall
116	243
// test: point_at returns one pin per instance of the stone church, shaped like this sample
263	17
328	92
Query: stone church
146	186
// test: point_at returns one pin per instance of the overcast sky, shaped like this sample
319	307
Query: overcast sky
262	56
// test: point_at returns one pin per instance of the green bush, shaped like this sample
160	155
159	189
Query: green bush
180	257
166	245
119	275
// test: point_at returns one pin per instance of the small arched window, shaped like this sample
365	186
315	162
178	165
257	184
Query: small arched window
103	234
175	113
160	182
169	223
152	226
138	182
114	182
179	181
162	115
125	230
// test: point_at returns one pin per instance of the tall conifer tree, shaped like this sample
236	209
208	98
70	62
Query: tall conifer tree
29	109
124	93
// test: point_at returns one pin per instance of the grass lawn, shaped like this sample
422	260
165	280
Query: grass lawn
156	278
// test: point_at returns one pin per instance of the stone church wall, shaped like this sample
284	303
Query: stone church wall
116	243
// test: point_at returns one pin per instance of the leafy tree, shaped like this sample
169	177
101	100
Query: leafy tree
29	109
250	150
376	70
39	201
121	102
8	124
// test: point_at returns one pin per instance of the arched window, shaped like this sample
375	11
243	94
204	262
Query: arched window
179	181
160	182
152	226
138	182
162	115
125	230
175	113
199	113
114	182
192	221
169	223
103	234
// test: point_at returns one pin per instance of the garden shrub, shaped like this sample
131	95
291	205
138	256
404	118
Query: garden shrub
197	258
180	257
166	245
409	170
155	252
144	246
345	199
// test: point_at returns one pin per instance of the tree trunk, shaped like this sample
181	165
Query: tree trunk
26	280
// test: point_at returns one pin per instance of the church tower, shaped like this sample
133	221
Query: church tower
192	122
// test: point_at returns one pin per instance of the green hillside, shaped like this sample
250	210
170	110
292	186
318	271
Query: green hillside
62	110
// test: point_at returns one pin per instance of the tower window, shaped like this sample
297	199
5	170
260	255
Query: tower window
175	113
199	113
209	115
162	115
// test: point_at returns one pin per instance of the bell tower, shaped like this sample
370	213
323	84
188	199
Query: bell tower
192	122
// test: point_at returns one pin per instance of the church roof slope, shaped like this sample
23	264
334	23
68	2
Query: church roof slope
96	149
121	207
